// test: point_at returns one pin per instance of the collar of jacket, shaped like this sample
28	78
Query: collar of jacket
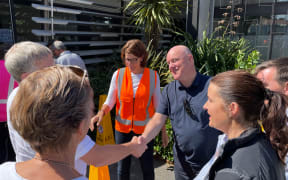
233	144
242	140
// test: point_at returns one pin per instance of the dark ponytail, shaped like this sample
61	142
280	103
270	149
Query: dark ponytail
257	103
274	119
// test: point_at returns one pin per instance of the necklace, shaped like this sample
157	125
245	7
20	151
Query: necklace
53	161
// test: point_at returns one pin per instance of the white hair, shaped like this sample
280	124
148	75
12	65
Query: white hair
22	57
57	45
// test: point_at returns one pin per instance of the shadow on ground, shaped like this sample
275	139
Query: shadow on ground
163	171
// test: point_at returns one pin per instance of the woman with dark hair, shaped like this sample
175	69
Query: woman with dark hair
135	90
254	123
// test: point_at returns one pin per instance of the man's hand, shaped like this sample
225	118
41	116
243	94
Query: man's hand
138	146
98	118
165	138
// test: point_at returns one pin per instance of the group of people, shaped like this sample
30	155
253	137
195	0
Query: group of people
230	126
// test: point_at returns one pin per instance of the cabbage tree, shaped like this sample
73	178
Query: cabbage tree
153	16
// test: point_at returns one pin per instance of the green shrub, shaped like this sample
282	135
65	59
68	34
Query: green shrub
218	54
100	75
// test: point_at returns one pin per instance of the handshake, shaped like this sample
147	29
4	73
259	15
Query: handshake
137	146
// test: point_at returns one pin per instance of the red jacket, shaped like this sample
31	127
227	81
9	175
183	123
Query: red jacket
7	84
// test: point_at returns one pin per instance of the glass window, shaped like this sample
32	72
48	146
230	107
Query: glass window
257	25
23	19
6	39
280	44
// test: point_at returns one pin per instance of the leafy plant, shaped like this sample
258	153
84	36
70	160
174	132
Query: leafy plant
218	54
165	153
153	16
100	75
249	63
157	61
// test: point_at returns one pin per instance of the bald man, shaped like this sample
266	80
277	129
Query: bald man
182	101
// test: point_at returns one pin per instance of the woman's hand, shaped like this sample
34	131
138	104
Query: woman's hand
98	118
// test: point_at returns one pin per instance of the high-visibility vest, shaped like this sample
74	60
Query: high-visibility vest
7	84
132	114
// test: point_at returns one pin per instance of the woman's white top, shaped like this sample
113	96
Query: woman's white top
8	172
111	99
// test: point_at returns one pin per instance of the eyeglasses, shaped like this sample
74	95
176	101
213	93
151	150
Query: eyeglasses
79	72
189	110
131	60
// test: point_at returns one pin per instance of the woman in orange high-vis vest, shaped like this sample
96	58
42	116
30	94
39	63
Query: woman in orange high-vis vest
136	91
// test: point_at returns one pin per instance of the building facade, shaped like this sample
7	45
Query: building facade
94	29
263	22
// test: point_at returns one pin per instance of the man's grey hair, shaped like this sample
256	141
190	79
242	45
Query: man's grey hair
57	45
23	56
281	65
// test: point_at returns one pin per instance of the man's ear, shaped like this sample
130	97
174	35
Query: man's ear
24	75
190	58
234	109
285	88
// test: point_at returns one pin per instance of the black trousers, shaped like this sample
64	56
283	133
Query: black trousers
6	149
146	160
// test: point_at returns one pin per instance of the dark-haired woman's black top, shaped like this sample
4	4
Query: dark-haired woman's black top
249	156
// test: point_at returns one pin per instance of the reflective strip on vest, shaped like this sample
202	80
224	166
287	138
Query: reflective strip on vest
11	85
10	88
123	121
152	87
3	101
120	79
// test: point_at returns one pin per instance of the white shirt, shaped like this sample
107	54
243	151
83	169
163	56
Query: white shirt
24	152
203	174
69	58
8	172
111	99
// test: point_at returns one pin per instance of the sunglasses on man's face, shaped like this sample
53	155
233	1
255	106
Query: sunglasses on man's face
189	110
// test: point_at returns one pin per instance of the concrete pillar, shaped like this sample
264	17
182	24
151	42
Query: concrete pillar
200	18
206	14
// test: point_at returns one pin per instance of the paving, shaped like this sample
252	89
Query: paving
163	171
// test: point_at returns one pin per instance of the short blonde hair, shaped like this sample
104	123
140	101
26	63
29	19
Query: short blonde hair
49	106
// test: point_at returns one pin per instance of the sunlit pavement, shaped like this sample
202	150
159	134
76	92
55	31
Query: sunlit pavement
163	171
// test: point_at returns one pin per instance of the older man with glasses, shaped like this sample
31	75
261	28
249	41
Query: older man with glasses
182	101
